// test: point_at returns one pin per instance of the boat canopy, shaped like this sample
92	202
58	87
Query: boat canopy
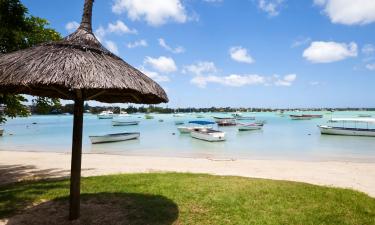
201	122
354	120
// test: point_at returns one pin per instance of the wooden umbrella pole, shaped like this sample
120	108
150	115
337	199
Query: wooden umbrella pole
75	173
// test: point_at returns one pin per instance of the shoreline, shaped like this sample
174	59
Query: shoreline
21	165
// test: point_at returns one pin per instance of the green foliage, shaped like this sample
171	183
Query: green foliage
205	199
43	105
19	30
14	106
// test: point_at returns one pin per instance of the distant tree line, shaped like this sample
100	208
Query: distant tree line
44	106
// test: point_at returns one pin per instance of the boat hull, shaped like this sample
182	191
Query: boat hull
123	123
188	130
113	138
346	131
248	128
208	135
105	117
245	118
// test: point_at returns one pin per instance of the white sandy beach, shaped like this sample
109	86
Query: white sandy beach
30	165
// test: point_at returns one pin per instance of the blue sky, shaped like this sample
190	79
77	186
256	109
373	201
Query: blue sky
244	53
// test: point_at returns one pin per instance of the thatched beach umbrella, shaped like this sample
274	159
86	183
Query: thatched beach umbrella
78	68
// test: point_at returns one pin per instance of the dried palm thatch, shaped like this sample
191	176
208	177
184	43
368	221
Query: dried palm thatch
78	62
77	68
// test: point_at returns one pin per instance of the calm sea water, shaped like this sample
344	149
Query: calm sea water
281	138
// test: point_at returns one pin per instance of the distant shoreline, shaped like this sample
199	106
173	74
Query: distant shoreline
358	176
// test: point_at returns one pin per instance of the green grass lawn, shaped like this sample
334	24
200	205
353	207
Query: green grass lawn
172	198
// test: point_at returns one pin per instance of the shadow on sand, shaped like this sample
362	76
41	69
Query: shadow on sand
103	209
15	173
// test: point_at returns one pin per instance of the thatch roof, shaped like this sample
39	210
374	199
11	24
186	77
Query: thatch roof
78	62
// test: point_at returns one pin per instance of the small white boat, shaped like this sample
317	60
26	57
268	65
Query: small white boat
225	121
208	135
189	129
178	115
239	116
113	137
260	122
105	115
1	132
124	123
364	115
247	127
349	131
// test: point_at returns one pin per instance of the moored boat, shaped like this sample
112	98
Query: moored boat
305	117
105	115
225	121
189	129
113	137
349	131
124	123
208	135
239	116
364	115
247	127
202	125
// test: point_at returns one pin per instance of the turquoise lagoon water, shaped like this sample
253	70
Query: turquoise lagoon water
281	138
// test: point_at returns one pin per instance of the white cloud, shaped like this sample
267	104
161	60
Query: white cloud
162	64
287	80
368	49
371	66
154	75
177	50
140	43
240	54
100	33
155	13
72	26
314	83
235	80
349	12
120	28
327	52
301	41
117	28
271	7
200	68
111	46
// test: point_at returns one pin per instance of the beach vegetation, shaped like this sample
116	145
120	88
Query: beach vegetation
175	198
